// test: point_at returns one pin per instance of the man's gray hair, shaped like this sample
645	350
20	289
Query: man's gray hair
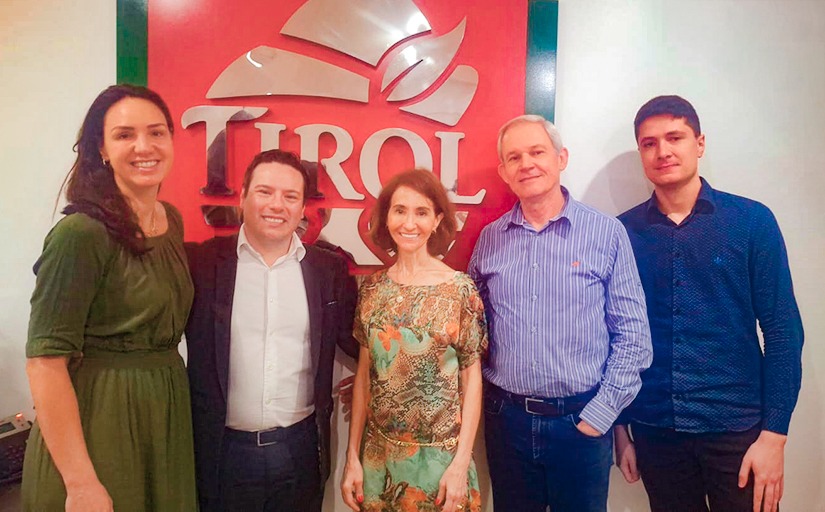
550	128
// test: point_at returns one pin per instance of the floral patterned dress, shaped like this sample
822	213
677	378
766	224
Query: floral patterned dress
419	338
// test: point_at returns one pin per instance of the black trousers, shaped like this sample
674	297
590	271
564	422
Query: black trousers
684	472
281	477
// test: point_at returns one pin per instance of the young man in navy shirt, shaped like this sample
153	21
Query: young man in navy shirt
711	419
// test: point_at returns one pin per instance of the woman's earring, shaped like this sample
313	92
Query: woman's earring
103	159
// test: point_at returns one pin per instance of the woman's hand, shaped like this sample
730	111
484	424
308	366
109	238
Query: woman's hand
452	488
352	484
59	417
88	497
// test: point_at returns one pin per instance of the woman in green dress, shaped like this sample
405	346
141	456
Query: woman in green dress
113	428
417	394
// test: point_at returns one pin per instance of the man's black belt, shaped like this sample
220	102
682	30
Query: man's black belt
271	435
543	406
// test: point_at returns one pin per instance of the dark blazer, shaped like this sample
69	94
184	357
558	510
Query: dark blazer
331	295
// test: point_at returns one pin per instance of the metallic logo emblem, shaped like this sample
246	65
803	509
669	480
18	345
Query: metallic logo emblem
366	30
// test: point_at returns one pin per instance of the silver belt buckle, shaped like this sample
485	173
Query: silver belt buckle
527	405
258	435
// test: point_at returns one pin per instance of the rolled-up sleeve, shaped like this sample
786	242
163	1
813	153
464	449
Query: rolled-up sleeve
69	271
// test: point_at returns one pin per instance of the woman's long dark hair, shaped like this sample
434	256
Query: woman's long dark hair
90	186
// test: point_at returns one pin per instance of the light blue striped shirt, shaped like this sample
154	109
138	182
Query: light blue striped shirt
565	307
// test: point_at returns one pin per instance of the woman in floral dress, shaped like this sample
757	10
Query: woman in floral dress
417	393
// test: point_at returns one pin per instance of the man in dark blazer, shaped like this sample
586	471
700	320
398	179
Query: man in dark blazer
267	315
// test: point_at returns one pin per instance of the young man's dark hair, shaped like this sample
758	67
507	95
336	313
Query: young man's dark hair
674	106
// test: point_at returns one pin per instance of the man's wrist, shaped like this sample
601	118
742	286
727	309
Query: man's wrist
773	437
599	415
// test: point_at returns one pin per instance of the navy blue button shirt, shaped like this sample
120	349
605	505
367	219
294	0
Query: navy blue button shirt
707	282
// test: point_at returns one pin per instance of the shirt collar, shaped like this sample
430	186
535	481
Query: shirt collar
296	247
516	215
705	201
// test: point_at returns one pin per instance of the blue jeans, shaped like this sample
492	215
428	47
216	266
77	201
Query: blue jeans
536	461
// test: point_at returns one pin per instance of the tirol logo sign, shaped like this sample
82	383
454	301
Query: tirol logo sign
366	88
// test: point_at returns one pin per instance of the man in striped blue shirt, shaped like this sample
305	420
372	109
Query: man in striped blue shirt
568	332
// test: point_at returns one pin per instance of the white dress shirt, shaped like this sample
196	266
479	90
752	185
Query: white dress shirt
270	368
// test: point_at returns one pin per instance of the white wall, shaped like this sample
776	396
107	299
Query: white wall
55	57
754	70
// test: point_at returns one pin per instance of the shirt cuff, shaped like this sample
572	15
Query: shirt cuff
599	415
623	419
776	420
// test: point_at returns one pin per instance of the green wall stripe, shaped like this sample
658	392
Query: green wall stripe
132	41
542	48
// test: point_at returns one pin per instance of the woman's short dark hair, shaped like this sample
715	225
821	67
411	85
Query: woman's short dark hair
90	185
673	106
425	183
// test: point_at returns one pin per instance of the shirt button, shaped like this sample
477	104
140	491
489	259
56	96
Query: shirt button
677	254
679	397
678	340
534	297
677	367
676	310
676	282
535	265
533	329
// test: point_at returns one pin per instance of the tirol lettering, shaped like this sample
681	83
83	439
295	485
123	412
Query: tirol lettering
341	227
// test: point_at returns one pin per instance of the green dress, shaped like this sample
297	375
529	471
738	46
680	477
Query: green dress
419	338
120	318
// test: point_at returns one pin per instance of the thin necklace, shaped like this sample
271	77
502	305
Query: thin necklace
152	229
403	289
412	277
